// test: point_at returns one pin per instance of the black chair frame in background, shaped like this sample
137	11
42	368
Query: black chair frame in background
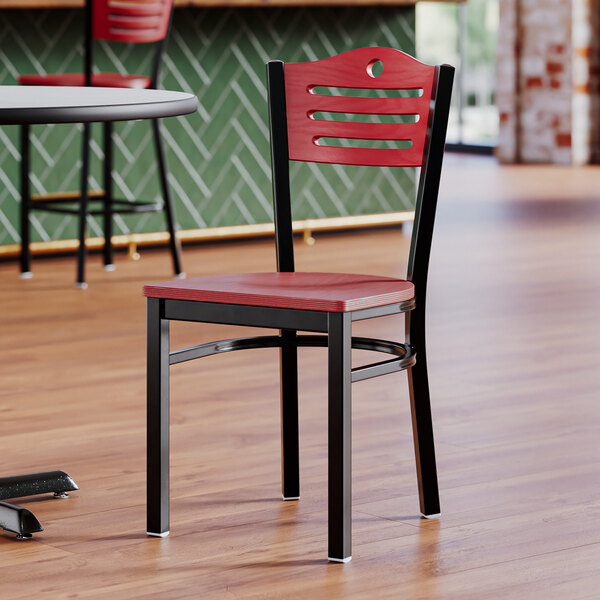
58	203
338	339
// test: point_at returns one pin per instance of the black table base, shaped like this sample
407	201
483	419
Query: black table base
20	520
27	105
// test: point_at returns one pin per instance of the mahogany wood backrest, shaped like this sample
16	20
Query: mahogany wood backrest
132	21
128	21
299	91
307	94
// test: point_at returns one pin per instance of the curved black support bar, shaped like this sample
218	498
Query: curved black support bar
406	355
262	341
36	483
18	520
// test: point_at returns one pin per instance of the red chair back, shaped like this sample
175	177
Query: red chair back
354	69
297	135
133	21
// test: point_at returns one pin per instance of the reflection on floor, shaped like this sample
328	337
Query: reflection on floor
514	345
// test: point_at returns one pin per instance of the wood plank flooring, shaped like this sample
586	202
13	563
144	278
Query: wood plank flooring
514	345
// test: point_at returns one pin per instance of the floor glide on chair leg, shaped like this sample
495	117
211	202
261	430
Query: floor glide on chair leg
160	535
339	560
109	268
26	275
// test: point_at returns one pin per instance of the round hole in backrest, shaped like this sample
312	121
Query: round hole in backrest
375	68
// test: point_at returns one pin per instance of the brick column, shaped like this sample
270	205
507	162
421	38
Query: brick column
507	77
547	89
586	82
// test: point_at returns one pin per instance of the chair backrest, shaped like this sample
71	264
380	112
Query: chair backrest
133	21
417	98
129	21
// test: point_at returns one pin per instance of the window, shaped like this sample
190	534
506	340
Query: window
464	35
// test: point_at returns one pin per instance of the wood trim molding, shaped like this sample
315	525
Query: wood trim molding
304	227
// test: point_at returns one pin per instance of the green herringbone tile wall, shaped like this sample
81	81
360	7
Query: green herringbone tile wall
219	157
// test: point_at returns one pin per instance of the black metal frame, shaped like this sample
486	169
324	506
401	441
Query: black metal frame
110	205
338	339
20	520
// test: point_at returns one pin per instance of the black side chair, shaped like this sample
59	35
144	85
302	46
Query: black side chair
134	21
326	303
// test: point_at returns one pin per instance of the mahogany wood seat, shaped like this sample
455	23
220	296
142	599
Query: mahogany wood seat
133	21
324	304
334	292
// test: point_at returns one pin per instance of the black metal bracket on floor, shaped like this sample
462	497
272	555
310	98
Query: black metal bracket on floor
20	520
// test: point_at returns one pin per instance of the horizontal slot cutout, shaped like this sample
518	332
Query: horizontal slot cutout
365	92
136	4
332	142
133	31
347	117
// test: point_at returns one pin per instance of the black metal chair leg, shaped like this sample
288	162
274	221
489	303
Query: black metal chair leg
290	462
340	437
420	405
108	197
158	421
83	206
25	201
174	243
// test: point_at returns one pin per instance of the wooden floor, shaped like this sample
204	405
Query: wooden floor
514	344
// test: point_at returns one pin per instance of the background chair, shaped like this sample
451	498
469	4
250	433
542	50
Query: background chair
326	303
137	21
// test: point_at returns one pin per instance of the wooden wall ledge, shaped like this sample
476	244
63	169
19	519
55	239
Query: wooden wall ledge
5	4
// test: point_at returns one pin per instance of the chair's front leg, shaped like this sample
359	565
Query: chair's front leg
340	437
290	467
158	421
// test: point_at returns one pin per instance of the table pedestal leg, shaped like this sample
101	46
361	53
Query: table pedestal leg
20	520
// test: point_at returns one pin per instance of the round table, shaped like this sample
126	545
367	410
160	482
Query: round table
30	105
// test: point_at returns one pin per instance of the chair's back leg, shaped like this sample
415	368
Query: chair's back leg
420	405
108	197
174	242
83	205
290	467
340	436
157	482
25	203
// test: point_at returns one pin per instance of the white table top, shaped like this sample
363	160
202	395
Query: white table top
24	104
